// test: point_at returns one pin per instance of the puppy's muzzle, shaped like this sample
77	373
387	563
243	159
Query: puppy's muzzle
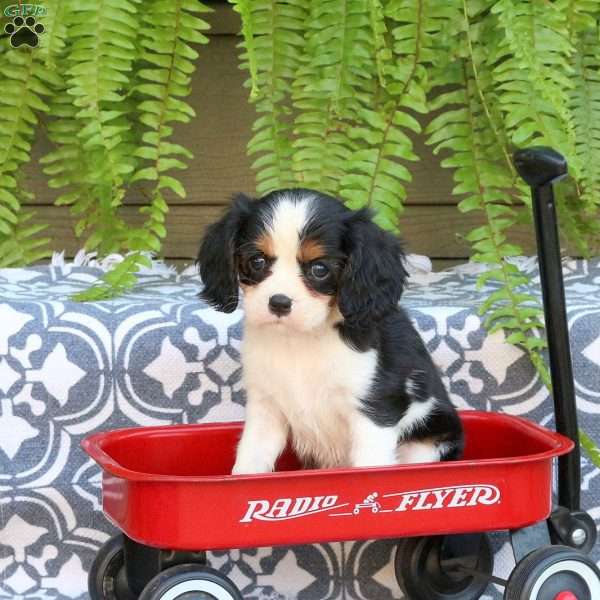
280	305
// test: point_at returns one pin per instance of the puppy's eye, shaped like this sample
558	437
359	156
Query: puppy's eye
257	263
319	270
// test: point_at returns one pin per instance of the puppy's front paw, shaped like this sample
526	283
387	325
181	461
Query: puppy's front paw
250	468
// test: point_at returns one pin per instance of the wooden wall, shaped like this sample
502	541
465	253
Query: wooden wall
431	223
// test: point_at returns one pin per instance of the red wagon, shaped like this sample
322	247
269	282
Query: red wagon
169	490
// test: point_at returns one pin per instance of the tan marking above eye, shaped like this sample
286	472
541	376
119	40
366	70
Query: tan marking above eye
265	245
310	250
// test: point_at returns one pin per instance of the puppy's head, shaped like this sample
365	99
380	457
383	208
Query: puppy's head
302	259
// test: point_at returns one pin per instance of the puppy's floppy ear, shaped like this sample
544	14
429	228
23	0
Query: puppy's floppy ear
217	260
374	276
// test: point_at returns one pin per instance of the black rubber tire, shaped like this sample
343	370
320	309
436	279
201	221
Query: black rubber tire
196	582
421	576
106	579
539	575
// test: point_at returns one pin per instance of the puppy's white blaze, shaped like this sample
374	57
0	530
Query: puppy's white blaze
289	219
414	416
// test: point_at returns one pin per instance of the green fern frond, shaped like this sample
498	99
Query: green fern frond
584	102
164	83
376	178
24	83
103	46
242	7
379	31
53	42
533	74
590	448
94	158
277	42
481	173
68	165
536	82
24	245
328	90
117	281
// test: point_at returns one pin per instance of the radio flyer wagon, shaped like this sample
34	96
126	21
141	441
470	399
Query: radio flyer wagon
170	492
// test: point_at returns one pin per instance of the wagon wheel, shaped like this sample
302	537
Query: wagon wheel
190	582
106	579
444	567
554	573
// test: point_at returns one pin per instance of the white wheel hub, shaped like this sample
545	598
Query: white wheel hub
197	585
574	566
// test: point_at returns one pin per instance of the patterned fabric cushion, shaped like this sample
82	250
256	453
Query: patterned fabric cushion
158	356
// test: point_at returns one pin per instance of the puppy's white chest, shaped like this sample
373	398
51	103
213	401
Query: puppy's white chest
316	381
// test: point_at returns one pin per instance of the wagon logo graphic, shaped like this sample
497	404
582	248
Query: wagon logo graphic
369	503
447	497
455	496
289	508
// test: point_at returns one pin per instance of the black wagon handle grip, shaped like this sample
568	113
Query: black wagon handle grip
540	167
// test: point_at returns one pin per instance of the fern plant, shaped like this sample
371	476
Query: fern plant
273	32
112	90
25	85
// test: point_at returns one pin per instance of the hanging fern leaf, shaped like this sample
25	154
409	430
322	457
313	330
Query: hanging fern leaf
117	281
164	82
584	102
100	60
533	74
24	82
243	8
590	448
469	127
379	31
53	41
327	91
68	165
275	45
376	177
24	245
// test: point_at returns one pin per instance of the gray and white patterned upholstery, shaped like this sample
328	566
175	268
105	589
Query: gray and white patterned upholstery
158	355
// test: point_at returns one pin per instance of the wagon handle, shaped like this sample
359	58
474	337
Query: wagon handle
540	167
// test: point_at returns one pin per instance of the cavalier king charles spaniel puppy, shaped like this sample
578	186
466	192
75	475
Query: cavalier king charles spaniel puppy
330	361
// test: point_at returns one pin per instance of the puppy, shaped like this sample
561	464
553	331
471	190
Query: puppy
329	358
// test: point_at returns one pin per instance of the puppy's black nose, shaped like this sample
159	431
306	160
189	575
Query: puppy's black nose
280	305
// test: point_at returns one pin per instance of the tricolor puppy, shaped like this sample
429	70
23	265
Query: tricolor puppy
329	358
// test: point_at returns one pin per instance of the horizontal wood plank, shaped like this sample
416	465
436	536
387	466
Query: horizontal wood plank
434	231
